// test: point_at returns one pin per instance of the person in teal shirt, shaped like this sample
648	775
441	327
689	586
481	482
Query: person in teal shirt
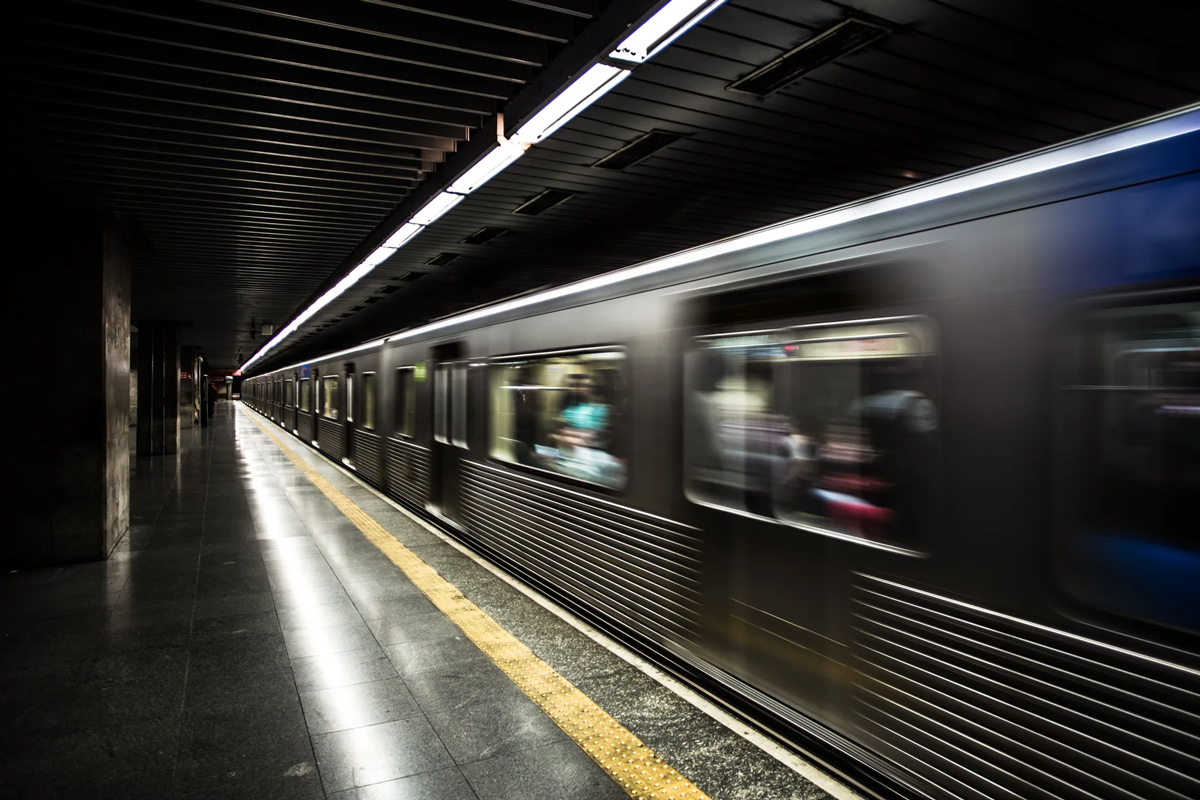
582	440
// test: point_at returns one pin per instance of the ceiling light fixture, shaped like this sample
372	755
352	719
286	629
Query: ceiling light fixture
487	167
648	39
589	87
432	211
402	235
665	26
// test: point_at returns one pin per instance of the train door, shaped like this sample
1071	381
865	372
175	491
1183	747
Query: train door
812	446
317	406
349	398
449	426
291	422
294	426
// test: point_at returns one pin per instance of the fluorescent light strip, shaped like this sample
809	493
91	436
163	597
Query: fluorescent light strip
593	84
487	168
434	210
587	89
377	257
405	232
665	26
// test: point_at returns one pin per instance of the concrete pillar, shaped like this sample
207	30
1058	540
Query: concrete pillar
146	389
69	317
170	404
187	387
158	388
202	383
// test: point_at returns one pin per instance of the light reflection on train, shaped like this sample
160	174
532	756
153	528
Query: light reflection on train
916	489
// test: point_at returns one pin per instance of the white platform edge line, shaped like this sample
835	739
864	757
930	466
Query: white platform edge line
789	759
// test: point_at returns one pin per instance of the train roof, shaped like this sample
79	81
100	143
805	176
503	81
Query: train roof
1126	137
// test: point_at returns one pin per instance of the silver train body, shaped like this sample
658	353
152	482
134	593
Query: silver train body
1005	609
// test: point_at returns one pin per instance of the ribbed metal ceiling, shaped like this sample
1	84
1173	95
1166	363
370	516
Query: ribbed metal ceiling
256	143
259	143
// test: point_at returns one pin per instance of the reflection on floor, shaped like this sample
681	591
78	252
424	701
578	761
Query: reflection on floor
245	640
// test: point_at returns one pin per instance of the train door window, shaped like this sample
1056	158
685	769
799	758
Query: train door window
564	413
441	402
289	392
329	396
305	394
829	427
1130	544
458	406
406	401
368	392
350	397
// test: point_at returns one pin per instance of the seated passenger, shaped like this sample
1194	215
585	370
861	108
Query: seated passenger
582	439
581	411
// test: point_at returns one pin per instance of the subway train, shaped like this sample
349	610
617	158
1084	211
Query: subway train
913	483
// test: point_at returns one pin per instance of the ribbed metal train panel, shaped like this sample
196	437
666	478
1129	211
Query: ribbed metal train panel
1001	707
332	438
638	570
366	455
407	471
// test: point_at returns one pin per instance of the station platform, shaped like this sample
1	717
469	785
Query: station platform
270	627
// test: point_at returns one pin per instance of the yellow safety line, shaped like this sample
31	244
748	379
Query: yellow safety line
629	762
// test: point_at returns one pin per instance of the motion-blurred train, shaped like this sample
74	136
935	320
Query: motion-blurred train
913	482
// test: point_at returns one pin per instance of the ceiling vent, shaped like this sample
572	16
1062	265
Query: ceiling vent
484	235
543	202
442	258
369	300
840	40
386	289
642	147
407	276
356	308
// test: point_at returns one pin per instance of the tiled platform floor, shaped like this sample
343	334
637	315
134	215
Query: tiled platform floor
246	640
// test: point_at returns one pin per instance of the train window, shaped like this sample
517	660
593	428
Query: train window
305	394
350	397
368	391
289	392
441	402
563	413
828	427
1131	545
458	406
406	401
329	396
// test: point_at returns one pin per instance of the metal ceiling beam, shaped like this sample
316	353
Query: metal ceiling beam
155	39
145	16
155	112
531	21
403	163
50	62
400	25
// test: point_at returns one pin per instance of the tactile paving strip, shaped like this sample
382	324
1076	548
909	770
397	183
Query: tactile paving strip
629	762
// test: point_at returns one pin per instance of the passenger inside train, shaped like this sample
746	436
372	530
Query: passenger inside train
562	414
831	427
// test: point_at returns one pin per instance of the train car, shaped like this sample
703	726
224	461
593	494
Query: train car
910	481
